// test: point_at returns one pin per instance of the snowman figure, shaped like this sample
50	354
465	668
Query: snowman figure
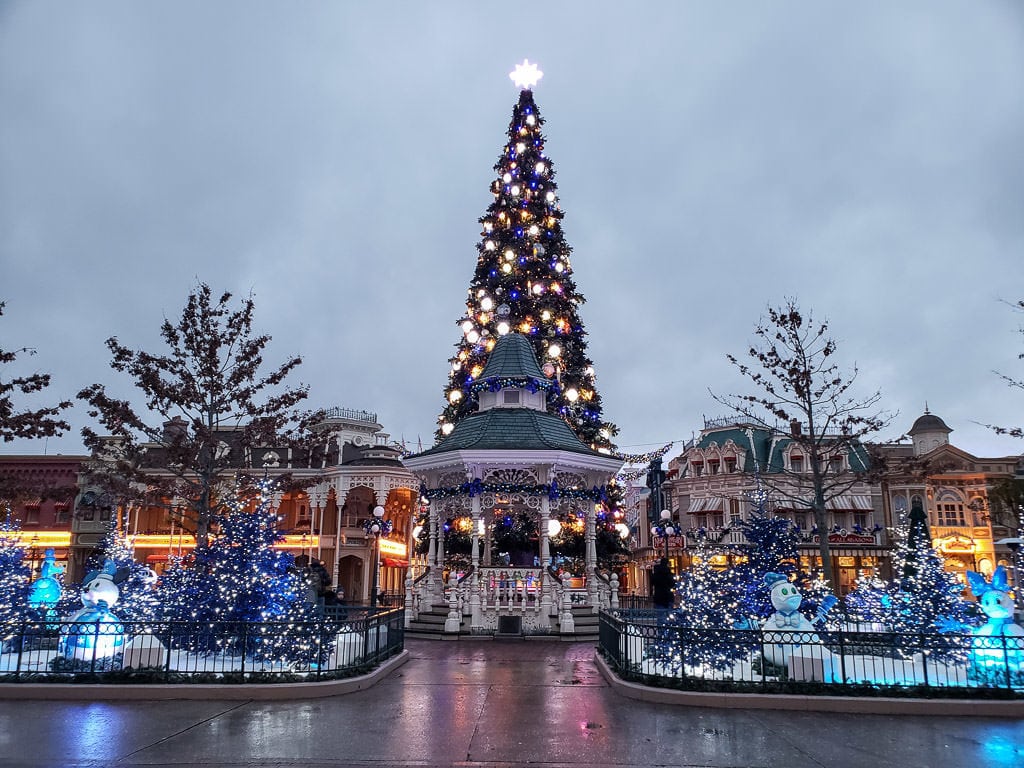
998	648
93	633
787	628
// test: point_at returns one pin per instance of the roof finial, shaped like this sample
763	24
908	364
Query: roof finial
926	408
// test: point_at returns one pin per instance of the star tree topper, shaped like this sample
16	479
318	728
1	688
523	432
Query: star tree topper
525	75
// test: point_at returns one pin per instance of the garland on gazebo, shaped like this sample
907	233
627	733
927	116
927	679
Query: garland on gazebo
552	490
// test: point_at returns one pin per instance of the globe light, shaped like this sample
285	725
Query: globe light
571	395
467	326
486	303
520	147
489	245
534	230
530	120
454	396
503	328
507	178
550	197
515	189
554	351
539	168
506	268
472	337
623	530
447	427
416	531
554	527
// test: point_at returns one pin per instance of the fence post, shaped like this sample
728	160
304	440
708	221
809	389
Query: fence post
21	649
167	663
842	657
1006	664
924	658
245	644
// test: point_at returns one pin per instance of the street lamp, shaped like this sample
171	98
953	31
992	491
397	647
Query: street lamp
665	528
376	526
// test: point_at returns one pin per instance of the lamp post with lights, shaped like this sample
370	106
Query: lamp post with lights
376	526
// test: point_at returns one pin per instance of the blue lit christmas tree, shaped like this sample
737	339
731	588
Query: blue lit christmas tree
771	547
924	598
247	594
15	576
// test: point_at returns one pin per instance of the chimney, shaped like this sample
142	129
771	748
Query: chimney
794	428
175	429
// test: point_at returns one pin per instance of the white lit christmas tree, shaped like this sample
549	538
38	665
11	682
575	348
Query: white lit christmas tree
523	283
245	592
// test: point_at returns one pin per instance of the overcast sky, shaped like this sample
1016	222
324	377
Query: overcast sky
333	159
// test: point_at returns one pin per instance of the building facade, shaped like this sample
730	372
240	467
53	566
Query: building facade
954	487
710	487
353	469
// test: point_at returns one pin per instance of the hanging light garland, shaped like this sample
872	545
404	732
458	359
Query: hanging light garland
553	491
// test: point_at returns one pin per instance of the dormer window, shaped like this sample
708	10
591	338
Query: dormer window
730	464
796	463
510	397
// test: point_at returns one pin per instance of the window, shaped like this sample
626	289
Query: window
730	464
950	514
734	512
717	520
796	463
698	468
860	518
800	520
713	467
839	519
511	396
835	464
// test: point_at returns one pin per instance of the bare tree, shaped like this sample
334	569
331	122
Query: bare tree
1017	431
214	402
27	423
802	395
20	422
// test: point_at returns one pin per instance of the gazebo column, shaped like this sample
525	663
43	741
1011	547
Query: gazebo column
591	540
475	610
544	615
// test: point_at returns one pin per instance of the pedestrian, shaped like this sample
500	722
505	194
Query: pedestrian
663	584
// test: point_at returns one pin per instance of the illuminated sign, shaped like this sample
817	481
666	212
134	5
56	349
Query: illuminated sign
393	548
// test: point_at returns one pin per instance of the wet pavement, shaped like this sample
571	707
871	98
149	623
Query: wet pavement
493	705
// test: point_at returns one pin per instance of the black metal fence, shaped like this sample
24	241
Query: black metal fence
340	644
647	646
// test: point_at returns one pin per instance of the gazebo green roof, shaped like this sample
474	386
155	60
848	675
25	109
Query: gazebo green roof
512	357
511	429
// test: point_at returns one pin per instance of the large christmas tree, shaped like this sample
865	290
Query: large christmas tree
523	282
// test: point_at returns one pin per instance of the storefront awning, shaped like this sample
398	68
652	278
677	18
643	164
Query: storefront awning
394	562
698	506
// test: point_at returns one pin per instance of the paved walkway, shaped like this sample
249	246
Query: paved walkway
493	705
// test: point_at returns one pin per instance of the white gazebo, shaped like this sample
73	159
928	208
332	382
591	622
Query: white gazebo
510	461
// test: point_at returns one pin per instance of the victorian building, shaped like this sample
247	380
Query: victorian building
955	488
710	486
353	468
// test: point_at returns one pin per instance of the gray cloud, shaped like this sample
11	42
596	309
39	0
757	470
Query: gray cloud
334	158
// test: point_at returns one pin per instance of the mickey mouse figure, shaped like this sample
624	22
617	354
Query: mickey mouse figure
997	649
93	633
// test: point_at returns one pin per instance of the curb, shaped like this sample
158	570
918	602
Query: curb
201	691
787	702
